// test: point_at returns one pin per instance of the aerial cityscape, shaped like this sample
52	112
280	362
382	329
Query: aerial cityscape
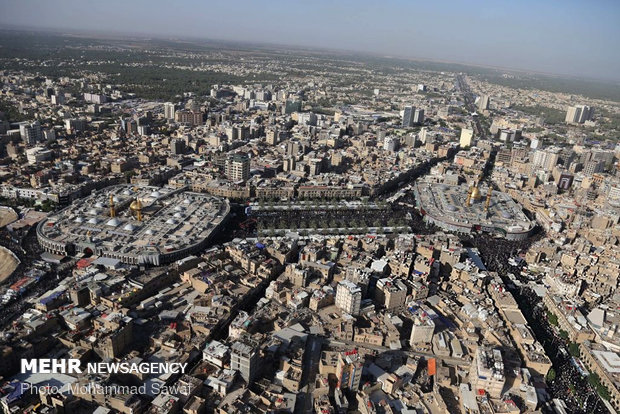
193	223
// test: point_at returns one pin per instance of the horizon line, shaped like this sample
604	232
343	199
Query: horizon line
143	36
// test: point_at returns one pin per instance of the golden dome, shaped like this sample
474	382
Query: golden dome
136	205
475	193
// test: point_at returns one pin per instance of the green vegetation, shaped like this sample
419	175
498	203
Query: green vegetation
11	112
589	88
534	129
551	375
563	334
45	205
154	77
595	382
573	349
552	318
552	116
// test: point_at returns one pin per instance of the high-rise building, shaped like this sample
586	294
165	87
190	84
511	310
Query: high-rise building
423	133
95	98
390	143
509	135
292	147
169	110
551	160
349	370
579	114
58	99
408	116
418	117
238	167
177	146
31	133
546	159
391	293
586	113
75	125
487	371
483	102
192	118
245	359
307	118
593	167
466	137
49	135
572	114
272	136
348	297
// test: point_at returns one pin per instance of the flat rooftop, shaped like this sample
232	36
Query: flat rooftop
448	204
172	220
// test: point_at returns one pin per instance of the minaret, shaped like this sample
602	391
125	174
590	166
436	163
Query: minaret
488	202
112	210
467	202
475	191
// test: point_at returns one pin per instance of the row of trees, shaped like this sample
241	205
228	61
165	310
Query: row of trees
326	231
333	223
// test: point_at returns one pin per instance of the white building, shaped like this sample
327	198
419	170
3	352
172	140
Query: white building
349	297
579	114
216	353
31	133
38	154
467	136
169	110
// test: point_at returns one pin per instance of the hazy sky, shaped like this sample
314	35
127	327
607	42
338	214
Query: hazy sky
570	37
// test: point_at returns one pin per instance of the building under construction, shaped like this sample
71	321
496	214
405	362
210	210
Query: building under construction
135	224
467	209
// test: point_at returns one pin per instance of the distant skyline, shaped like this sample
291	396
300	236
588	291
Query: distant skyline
575	38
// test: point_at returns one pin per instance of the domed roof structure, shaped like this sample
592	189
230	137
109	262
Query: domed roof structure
136	205
475	193
113	222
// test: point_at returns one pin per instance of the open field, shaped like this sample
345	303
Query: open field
8	263
7	216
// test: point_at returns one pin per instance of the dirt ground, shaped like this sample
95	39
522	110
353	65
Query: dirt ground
8	263
7	216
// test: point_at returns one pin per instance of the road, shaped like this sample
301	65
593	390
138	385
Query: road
569	385
469	99
312	356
